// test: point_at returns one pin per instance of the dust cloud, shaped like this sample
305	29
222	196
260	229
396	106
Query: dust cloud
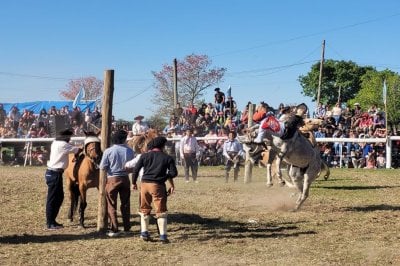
273	199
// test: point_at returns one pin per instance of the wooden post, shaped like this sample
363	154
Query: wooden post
321	67
248	165
106	117
175	82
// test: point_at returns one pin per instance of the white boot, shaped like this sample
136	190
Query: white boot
162	227
144	226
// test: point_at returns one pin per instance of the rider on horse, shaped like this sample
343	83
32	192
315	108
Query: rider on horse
265	116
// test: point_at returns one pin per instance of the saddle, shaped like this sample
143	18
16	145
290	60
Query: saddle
78	158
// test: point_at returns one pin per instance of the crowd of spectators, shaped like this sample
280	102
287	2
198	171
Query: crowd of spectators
221	116
26	124
357	122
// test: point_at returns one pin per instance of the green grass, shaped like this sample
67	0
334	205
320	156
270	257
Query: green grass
353	218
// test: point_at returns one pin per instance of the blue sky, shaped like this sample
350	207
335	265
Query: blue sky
265	45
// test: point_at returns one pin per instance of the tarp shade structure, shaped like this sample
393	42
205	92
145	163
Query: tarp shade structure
39	105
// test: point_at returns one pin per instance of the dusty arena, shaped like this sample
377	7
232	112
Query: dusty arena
353	218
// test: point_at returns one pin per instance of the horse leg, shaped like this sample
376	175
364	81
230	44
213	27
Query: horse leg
305	191
82	206
269	175
74	198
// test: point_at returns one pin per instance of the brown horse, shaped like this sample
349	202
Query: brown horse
139	142
83	173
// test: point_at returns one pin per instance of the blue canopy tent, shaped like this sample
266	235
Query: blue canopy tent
39	105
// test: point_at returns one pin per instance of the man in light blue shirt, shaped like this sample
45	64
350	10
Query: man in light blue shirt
232	151
113	161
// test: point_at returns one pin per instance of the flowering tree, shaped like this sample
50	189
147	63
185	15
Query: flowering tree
195	75
93	88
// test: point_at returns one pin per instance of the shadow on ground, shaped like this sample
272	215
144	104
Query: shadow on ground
204	229
186	226
371	208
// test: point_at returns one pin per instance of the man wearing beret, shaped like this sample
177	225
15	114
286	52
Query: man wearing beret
158	167
58	162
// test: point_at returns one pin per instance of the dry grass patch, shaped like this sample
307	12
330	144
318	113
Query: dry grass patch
352	218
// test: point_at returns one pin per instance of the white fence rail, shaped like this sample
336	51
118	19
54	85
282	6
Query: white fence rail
388	142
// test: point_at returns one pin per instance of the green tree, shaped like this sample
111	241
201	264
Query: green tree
371	93
195	75
339	79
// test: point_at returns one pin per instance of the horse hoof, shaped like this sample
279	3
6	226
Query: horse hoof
326	177
81	226
269	184
282	184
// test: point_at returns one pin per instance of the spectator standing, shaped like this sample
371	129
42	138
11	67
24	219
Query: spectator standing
76	116
96	117
337	113
189	150
139	127
43	119
232	151
320	111
158	168
113	161
3	115
14	116
219	100
58	162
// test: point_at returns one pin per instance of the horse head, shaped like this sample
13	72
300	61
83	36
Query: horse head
311	124
92	147
139	143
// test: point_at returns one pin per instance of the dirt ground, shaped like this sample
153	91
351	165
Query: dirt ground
353	218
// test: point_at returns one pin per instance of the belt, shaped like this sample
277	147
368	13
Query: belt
58	170
116	178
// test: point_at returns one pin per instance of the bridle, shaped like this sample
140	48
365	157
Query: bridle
88	151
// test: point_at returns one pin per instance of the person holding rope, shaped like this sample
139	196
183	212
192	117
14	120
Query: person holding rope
58	162
158	167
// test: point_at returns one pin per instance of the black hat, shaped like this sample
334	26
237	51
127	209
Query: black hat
65	132
119	137
216	89
64	135
139	117
157	142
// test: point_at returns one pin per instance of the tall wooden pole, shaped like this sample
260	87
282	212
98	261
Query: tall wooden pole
106	112
321	66
248	165
175	82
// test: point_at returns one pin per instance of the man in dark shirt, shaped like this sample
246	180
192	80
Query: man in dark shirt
158	167
219	100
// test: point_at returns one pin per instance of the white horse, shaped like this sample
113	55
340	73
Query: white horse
297	151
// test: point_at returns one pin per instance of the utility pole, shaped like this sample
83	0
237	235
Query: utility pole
106	117
321	65
175	82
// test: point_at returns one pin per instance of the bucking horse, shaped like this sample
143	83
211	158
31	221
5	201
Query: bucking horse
302	157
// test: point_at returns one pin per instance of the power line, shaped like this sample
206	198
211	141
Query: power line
308	35
270	68
134	96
